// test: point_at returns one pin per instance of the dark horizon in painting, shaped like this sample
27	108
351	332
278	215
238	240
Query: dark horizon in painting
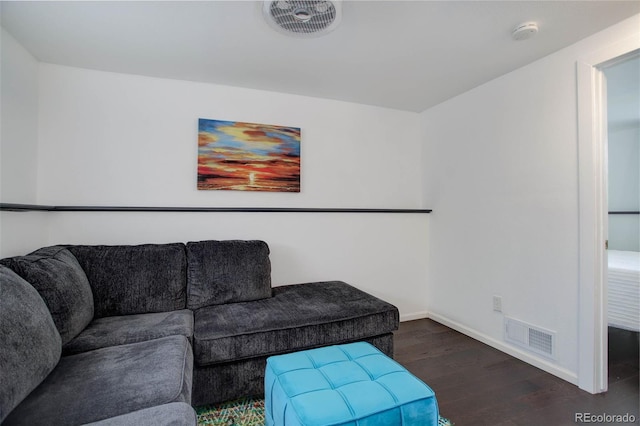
248	156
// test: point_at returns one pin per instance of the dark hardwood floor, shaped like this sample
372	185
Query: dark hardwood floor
476	384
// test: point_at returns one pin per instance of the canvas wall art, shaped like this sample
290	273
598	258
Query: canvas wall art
248	156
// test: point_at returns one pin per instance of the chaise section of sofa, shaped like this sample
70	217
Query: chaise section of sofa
232	341
296	317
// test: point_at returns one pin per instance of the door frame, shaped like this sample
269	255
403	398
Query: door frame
593	212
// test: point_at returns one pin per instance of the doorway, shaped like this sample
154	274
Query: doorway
622	83
593	212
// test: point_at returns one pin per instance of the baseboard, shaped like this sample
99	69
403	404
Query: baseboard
540	363
414	316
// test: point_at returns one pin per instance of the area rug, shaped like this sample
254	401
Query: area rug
245	412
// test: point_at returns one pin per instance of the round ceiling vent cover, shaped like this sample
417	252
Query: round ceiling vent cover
299	18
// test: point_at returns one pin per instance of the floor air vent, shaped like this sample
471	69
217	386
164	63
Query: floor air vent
529	337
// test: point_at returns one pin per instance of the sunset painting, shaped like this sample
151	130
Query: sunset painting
248	156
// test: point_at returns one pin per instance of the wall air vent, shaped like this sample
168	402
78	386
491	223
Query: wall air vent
299	18
527	336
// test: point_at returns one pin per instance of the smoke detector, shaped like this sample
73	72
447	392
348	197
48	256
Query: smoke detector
524	31
299	18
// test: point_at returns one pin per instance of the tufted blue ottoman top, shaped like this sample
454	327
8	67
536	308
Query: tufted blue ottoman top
345	385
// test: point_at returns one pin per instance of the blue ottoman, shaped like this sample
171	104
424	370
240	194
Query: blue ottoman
345	385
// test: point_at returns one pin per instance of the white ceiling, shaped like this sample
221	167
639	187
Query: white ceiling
408	55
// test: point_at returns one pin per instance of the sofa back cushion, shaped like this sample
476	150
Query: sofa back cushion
30	344
63	285
134	279
227	271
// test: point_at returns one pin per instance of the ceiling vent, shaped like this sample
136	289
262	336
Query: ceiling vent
298	18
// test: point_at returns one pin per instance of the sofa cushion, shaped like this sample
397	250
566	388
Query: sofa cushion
109	382
227	271
124	329
29	341
173	414
135	279
296	317
63	285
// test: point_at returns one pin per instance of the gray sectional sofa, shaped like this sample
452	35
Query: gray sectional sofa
136	335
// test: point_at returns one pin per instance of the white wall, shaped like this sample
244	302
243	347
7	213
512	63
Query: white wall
500	171
124	139
623	116
624	186
19	131
115	139
18	147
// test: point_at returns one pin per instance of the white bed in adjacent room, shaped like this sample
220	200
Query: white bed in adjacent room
624	289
